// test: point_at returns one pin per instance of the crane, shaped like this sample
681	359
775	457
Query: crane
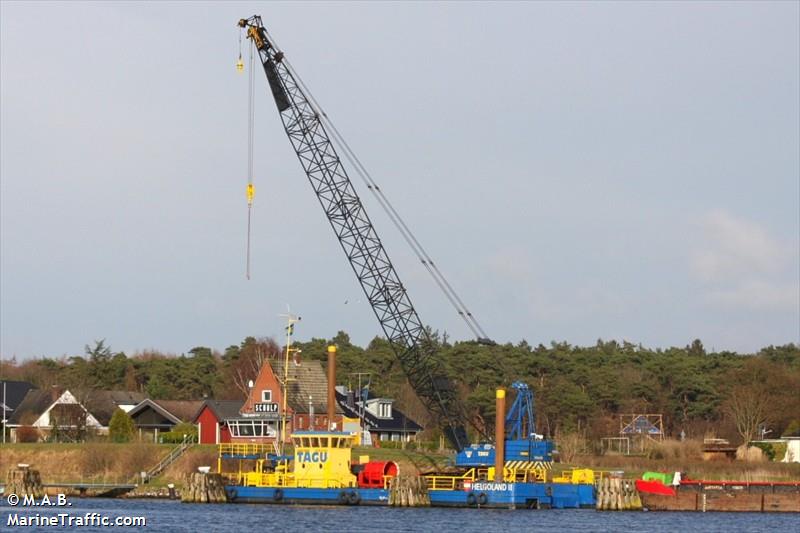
304	125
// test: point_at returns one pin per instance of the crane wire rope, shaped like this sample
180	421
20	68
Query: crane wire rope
250	143
386	205
397	220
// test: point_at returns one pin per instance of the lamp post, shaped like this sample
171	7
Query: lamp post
310	413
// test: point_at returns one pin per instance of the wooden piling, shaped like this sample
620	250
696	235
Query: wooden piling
204	488
409	491
24	481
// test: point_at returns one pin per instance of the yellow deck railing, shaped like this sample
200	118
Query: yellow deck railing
445	482
243	449
584	475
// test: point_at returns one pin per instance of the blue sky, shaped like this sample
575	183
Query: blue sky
577	170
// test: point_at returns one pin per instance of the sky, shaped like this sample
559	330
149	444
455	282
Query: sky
578	171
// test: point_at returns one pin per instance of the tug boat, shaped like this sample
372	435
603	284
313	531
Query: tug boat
319	472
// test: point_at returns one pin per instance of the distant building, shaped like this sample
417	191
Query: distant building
792	446
211	420
102	403
378	415
59	414
11	395
258	419
53	413
152	417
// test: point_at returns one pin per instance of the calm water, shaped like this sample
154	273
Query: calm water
176	517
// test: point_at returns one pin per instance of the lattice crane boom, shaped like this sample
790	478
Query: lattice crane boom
356	234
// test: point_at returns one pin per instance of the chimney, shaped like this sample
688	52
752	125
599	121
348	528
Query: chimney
499	435
351	399
331	386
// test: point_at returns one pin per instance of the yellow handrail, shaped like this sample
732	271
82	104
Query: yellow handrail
243	448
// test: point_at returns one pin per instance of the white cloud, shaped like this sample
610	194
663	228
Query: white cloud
736	248
742	265
759	295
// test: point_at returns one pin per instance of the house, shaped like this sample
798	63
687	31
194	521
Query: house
792	439
258	419
155	416
11	395
211	420
102	404
53	413
378	416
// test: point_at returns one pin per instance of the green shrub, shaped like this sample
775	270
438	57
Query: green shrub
176	435
120	428
766	447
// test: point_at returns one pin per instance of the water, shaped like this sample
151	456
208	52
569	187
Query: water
172	516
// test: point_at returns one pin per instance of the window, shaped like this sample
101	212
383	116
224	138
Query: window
252	428
385	410
266	396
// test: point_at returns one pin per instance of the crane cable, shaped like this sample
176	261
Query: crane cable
251	190
389	209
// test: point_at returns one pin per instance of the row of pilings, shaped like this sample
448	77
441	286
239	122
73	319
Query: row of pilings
615	494
409	491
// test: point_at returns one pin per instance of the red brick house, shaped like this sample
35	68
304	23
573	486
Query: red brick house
258	419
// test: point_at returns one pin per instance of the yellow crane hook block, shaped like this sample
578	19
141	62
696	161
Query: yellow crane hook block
251	193
239	64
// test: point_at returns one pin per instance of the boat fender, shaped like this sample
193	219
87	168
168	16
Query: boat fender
471	499
277	495
232	494
482	498
353	498
343	499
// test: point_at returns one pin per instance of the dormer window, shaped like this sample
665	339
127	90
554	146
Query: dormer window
266	396
385	409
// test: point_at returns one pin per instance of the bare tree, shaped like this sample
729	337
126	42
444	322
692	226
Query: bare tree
748	408
251	358
570	444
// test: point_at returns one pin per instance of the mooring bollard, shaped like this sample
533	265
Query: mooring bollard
24	481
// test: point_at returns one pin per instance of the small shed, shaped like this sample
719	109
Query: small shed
211	420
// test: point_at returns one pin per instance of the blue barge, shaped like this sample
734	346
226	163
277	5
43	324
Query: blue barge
484	495
320	472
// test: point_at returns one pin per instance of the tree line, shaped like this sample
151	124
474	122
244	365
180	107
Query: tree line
577	388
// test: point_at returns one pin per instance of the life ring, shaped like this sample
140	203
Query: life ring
343	498
482	498
277	495
232	494
353	498
471	499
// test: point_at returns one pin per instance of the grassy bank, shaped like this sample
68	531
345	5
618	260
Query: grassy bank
121	463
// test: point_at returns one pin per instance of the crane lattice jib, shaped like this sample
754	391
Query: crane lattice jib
360	242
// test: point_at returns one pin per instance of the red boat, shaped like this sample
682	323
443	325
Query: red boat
654	487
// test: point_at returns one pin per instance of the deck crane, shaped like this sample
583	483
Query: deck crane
303	122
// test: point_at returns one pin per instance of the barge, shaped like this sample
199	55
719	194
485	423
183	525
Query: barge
321	470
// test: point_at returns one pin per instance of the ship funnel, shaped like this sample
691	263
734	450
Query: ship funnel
331	387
